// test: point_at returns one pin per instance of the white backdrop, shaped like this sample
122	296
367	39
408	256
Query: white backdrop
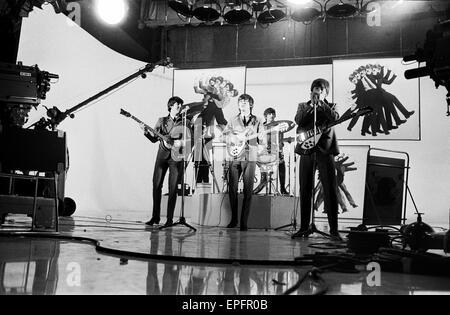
111	162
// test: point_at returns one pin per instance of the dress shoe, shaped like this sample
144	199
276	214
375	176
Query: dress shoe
409	114
168	223
335	237
301	233
400	122
243	228
284	192
152	221
232	224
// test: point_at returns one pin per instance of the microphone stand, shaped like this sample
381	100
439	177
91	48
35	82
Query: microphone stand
312	227
294	215
182	219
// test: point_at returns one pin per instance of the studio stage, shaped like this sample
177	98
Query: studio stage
213	210
122	231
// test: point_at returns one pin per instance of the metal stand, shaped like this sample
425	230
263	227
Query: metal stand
182	219
294	215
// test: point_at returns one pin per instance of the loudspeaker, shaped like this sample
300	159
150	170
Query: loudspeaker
385	188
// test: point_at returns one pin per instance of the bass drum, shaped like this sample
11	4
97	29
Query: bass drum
267	162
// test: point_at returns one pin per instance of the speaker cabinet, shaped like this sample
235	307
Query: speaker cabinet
385	189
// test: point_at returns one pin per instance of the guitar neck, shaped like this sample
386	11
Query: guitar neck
361	112
149	128
262	133
321	129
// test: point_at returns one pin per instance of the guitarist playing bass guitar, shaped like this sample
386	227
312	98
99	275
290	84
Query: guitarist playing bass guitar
320	155
165	160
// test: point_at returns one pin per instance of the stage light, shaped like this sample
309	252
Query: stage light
271	16
341	10
307	13
259	5
207	10
182	7
111	11
237	12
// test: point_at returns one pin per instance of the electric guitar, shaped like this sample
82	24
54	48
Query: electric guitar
236	141
306	139
168	142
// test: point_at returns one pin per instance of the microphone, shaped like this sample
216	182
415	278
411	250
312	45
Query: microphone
316	99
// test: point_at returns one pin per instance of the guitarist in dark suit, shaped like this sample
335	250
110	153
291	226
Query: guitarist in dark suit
165	160
244	163
322	155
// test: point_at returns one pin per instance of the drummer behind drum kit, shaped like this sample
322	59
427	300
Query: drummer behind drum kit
267	160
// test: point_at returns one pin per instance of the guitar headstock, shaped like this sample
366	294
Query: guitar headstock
125	113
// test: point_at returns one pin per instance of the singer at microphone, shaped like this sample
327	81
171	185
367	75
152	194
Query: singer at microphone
319	156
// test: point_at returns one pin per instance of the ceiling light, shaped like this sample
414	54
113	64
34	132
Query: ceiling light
207	10
182	7
237	12
341	10
271	16
111	11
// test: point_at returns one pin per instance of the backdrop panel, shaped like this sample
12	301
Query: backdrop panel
381	85
351	166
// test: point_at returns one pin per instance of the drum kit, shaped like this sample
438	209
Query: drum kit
267	160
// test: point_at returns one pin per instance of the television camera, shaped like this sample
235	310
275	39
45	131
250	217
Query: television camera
436	54
40	150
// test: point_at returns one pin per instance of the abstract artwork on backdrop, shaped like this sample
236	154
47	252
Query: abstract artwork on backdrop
379	84
351	165
224	84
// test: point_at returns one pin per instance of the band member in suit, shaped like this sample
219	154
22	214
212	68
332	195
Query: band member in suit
166	160
245	163
321	156
274	144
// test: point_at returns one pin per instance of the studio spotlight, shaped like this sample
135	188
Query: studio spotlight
341	10
271	15
111	11
182	7
237	12
207	10
307	12
259	5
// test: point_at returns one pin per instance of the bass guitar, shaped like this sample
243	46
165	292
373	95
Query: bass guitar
168	142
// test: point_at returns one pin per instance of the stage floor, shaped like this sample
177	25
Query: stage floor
126	257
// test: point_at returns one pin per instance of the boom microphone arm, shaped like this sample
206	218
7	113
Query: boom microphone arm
56	116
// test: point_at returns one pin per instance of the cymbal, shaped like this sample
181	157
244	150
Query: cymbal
276	123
